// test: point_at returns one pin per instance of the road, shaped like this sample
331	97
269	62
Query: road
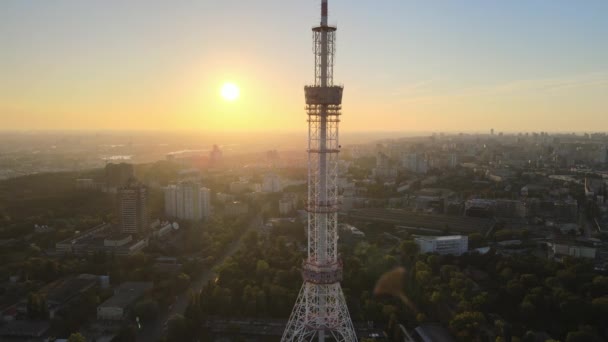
154	331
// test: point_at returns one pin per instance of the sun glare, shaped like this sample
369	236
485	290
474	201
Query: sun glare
230	91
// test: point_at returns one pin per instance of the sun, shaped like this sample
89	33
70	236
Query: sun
230	91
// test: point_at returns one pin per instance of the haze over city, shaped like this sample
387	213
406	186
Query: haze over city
407	65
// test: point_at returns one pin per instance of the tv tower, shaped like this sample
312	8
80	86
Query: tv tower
320	311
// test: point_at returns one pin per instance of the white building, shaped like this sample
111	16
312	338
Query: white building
415	162
452	160
455	244
285	206
205	197
187	201
558	250
272	183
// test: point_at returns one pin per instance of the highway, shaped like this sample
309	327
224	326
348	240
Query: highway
154	331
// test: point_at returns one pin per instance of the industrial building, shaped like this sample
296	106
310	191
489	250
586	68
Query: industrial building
455	244
117	307
415	222
61	292
102	238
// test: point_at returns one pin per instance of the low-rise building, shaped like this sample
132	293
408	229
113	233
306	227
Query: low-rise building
559	250
101	239
25	330
239	187
455	244
61	292
164	229
116	307
236	208
87	184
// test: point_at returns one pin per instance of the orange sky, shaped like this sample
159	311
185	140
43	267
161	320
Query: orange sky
113	65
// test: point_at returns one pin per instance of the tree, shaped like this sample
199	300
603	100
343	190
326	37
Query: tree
600	306
76	337
529	336
178	329
262	269
37	307
475	240
147	310
409	249
183	281
465	325
586	335
250	240
127	333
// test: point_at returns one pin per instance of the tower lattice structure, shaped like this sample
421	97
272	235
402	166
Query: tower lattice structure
320	312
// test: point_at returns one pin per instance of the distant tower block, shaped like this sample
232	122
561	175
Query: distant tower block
320	311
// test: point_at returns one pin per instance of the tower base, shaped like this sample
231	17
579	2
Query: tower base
320	314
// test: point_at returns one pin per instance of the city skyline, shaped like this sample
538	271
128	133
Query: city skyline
411	66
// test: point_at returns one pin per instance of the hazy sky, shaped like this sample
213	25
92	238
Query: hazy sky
406	65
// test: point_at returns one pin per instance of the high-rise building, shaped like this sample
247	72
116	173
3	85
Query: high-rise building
272	183
170	200
133	208
205	198
320	312
215	156
187	201
118	175
416	162
603	155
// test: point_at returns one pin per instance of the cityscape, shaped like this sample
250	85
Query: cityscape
392	213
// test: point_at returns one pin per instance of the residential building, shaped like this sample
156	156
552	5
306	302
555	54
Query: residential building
272	183
187	201
133	208
415	162
285	206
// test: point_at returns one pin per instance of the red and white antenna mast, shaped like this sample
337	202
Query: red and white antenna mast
320	311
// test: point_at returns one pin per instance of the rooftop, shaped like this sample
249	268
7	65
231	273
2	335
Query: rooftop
126	294
25	328
441	238
63	290
456	224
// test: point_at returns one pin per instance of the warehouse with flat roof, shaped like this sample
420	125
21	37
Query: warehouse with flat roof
117	306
